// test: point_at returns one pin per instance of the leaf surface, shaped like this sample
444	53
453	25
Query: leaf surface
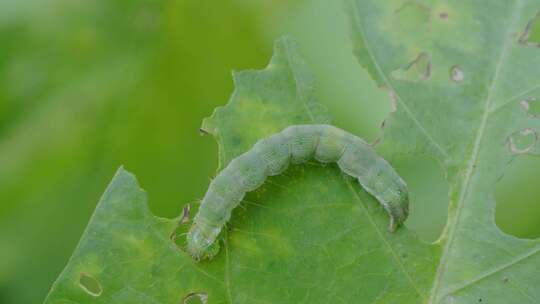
465	104
464	82
311	235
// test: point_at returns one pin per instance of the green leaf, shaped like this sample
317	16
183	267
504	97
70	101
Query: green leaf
464	81
469	113
310	235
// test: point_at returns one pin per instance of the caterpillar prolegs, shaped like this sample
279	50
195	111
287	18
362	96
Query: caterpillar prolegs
272	155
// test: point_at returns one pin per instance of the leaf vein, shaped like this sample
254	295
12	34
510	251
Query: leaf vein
497	269
385	241
472	165
513	98
389	85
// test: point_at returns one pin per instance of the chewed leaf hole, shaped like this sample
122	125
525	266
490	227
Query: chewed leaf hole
195	298
428	195
90	284
416	70
532	106
531	34
178	235
518	198
521	142
457	74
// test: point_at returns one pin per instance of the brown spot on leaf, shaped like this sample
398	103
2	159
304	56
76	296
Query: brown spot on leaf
203	131
185	214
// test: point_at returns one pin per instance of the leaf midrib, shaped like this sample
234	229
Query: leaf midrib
454	220
473	161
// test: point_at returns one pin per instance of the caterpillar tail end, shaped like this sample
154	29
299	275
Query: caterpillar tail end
398	210
397	220
395	224
392	226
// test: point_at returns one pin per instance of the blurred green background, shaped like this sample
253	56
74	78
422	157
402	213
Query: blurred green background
86	86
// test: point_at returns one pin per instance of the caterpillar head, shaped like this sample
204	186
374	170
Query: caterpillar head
199	245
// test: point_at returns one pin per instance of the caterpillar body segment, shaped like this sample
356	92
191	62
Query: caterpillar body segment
273	155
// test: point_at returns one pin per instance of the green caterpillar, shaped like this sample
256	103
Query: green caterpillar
272	155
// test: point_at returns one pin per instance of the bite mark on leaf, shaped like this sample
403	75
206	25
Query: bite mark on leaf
457	74
521	142
417	70
532	107
195	298
90	285
181	226
531	35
